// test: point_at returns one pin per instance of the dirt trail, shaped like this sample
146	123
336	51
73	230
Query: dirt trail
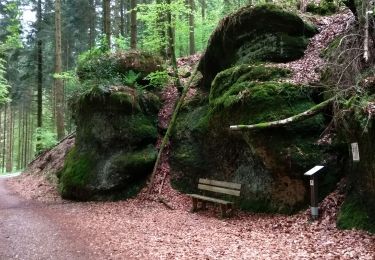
29	230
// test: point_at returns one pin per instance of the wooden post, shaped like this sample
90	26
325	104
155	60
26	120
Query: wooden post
312	173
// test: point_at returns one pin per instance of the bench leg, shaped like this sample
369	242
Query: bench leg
204	205
223	210
195	204
230	209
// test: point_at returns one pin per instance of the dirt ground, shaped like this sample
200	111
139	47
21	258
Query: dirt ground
144	228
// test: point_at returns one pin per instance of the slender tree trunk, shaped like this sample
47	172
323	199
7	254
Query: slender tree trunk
107	21
4	138
19	150
122	18
128	17
9	165
133	24
39	71
24	118
203	9
191	28
59	87
92	31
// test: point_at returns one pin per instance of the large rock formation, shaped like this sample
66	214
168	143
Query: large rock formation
262	33
269	163
116	130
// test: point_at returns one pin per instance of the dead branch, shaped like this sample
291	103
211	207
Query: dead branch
296	118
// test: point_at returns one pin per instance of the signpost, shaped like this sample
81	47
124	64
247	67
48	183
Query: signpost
312	173
355	152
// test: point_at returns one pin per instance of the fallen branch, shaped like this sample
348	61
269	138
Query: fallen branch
296	118
165	202
170	128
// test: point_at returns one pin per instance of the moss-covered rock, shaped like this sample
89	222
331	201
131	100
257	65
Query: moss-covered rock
109	66
324	7
116	133
358	126
268	163
261	33
354	213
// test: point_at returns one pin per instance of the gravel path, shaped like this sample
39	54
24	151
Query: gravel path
30	230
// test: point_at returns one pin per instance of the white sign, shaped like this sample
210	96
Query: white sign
355	152
314	170
311	182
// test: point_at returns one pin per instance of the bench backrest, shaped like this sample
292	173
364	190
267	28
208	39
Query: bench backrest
229	188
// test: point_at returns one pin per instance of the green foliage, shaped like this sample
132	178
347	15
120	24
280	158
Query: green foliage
325	7
158	79
45	138
353	214
154	36
130	78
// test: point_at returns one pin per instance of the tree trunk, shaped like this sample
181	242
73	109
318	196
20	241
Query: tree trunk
59	87
9	164
203	9
133	24
4	139
161	20
191	27
107	21
39	71
122	18
19	150
92	30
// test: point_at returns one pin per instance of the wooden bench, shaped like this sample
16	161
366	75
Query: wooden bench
221	187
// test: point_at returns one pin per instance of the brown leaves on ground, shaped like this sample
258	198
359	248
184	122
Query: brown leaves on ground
144	228
307	69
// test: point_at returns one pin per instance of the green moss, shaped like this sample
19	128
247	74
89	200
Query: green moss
244	73
325	7
353	214
76	174
276	47
257	102
139	162
261	33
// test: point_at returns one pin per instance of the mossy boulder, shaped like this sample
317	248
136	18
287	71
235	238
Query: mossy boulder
358	126
324	7
115	137
107	66
268	163
253	34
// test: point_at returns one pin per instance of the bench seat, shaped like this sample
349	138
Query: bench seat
210	199
219	187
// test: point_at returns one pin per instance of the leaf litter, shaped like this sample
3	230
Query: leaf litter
144	228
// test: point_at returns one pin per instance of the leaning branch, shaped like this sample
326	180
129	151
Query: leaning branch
296	118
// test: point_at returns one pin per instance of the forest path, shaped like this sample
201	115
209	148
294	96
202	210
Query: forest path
32	230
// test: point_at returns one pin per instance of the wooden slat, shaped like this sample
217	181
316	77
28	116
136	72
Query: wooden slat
201	197
224	184
219	190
